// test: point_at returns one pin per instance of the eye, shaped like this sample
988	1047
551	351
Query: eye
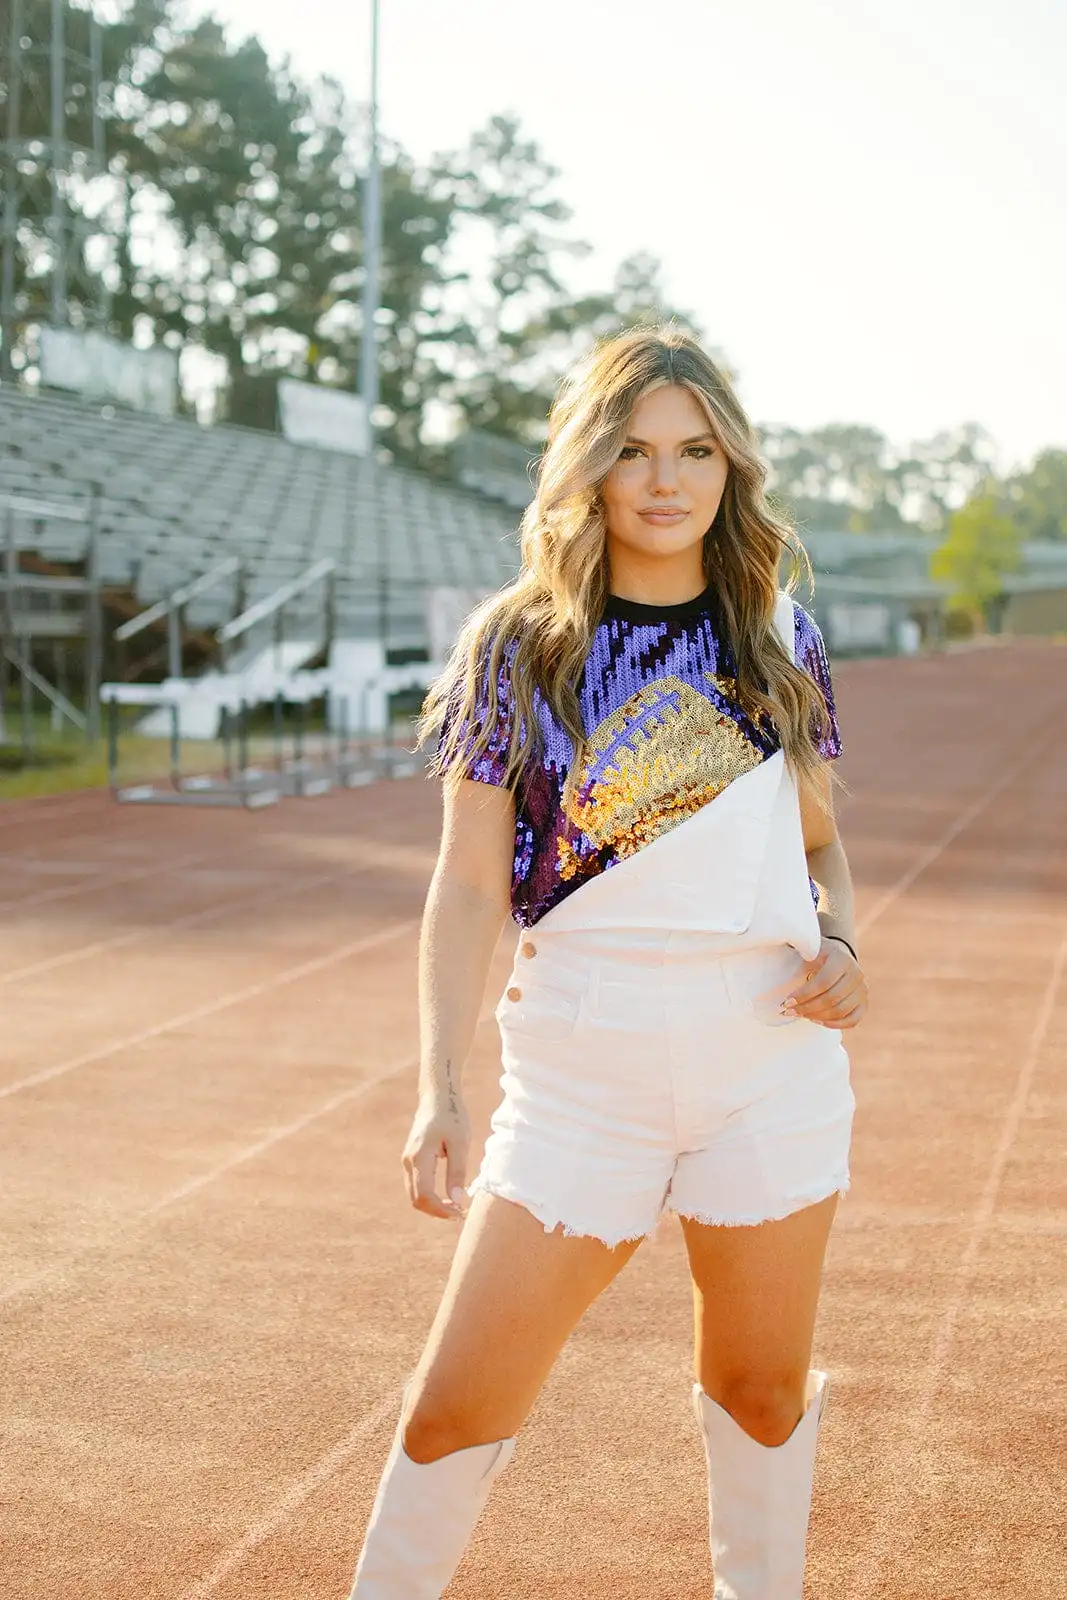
628	452
700	452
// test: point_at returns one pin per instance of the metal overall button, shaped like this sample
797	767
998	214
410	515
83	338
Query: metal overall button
546	1006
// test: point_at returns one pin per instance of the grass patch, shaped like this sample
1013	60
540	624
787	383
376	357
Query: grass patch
58	766
50	773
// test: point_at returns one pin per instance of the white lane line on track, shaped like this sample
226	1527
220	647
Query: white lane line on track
222	1003
899	1515
108	880
355	1091
928	856
295	1496
191	919
32	811
52	866
77	1260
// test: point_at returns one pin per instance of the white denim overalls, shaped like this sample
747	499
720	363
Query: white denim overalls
646	1064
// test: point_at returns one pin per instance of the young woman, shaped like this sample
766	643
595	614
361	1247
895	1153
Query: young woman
635	738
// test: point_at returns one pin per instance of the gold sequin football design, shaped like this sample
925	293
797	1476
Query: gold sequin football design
659	758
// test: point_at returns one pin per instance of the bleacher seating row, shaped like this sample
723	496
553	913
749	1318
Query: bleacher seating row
176	497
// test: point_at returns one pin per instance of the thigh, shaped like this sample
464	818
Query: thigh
513	1296
756	1293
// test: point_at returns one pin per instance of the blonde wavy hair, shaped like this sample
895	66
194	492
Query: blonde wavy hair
539	628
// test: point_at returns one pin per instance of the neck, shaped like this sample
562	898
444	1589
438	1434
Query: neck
656	582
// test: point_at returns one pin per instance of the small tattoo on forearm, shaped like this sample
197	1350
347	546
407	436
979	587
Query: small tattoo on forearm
453	1104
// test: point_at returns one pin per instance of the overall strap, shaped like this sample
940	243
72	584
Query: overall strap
785	622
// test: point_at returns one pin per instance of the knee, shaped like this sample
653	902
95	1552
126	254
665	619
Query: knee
432	1429
767	1408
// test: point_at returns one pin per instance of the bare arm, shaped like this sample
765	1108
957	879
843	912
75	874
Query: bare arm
835	991
827	863
467	905
837	914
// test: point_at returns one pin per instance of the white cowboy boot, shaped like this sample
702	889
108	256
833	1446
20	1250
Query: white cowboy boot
423	1516
759	1499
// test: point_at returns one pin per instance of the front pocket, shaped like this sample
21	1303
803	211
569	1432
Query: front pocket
541	1012
757	989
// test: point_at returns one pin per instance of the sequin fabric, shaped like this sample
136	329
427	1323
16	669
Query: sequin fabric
665	735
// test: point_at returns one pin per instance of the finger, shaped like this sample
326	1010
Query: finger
431	1206
814	981
830	1002
829	1010
820	980
456	1173
856	1015
424	1173
817	963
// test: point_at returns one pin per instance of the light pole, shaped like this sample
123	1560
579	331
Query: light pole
372	245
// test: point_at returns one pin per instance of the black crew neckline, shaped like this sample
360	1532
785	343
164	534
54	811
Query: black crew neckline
640	611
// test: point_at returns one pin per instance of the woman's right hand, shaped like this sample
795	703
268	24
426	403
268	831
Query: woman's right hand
440	1132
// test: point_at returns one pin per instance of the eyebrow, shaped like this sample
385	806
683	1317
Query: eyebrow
697	439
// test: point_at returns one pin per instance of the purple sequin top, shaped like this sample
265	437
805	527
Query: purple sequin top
666	735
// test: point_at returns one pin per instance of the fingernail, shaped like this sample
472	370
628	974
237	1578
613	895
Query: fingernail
458	1197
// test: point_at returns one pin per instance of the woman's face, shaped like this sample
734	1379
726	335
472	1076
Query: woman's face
661	496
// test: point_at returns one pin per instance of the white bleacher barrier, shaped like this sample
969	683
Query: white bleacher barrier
360	685
447	607
312	413
101	368
353	706
199	702
261	668
859	626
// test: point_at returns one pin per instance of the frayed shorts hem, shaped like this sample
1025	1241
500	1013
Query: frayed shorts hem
552	1222
572	1228
787	1208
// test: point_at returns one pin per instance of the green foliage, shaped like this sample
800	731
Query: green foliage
122	43
1038	497
511	331
234	226
848	477
982	546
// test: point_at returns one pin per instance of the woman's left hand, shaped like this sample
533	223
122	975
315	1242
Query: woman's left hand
834	991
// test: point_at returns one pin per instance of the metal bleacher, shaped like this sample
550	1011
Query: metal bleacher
335	558
176	497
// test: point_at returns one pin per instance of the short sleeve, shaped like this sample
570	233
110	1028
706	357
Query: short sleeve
812	658
491	765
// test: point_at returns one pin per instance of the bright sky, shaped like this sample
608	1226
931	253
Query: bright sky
862	202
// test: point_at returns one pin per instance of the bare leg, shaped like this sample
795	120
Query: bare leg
758	1402
755	1296
514	1294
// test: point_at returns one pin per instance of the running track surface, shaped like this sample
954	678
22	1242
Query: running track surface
213	1288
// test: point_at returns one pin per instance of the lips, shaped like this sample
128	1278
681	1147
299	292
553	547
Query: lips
664	515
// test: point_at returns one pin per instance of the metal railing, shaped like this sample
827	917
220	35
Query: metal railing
272	605
20	627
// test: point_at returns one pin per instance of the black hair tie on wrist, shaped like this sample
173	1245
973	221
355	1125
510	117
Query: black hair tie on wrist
846	944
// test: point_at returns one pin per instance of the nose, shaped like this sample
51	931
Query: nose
664	474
